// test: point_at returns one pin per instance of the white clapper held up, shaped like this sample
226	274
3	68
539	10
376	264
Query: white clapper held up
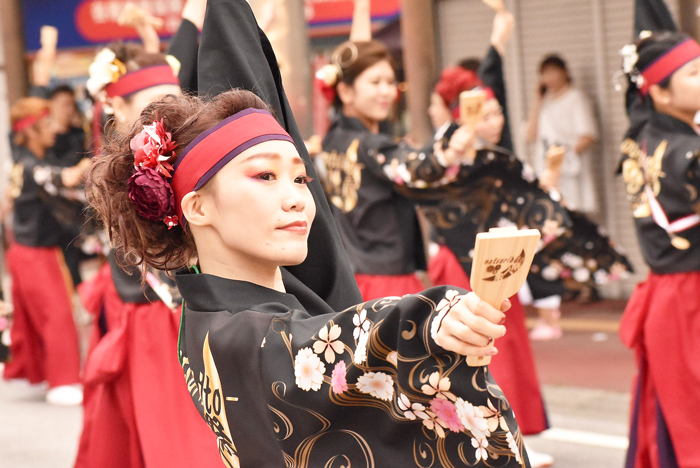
502	260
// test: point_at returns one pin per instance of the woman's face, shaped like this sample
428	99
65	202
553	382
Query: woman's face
45	132
439	113
373	93
491	126
685	87
63	110
262	206
554	78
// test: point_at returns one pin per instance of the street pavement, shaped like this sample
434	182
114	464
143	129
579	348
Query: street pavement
586	378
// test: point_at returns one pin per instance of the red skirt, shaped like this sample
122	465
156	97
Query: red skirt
44	338
376	286
137	410
662	324
513	367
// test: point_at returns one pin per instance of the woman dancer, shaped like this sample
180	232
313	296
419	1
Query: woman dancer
258	364
242	57
661	322
368	174
130	416
44	338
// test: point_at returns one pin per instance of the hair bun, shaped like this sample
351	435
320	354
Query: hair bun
454	80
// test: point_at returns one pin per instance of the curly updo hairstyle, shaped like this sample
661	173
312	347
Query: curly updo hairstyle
145	242
134	57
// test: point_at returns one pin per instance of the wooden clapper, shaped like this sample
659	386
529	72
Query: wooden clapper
471	107
502	259
132	15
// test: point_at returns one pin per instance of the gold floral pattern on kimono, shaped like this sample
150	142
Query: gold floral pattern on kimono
207	391
16	180
344	177
639	171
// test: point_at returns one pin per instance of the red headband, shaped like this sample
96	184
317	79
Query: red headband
667	64
26	122
213	149
142	79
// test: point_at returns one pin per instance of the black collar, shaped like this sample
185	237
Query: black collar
209	293
671	124
349	123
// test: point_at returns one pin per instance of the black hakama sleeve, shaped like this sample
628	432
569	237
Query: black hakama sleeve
400	163
235	53
491	73
184	46
654	16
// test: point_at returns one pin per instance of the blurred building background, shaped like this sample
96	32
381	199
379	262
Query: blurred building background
425	36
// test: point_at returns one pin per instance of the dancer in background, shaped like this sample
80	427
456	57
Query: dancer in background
459	218
369	175
69	149
44	338
661	171
136	404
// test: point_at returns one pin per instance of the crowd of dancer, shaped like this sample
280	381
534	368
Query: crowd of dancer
344	342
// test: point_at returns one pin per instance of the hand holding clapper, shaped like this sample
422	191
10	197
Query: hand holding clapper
502	259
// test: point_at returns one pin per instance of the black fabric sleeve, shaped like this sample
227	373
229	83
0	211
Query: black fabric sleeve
235	53
274	363
491	73
184	46
399	163
652	15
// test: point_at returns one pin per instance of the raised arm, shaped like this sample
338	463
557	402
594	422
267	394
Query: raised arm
491	69
133	16
44	60
361	30
184	45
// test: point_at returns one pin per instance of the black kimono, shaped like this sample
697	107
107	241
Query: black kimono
235	53
497	190
661	169
378	225
42	205
44	337
282	385
491	74
583	257
660	166
184	46
500	191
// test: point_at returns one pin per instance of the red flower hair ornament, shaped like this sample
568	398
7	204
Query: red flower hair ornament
149	187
